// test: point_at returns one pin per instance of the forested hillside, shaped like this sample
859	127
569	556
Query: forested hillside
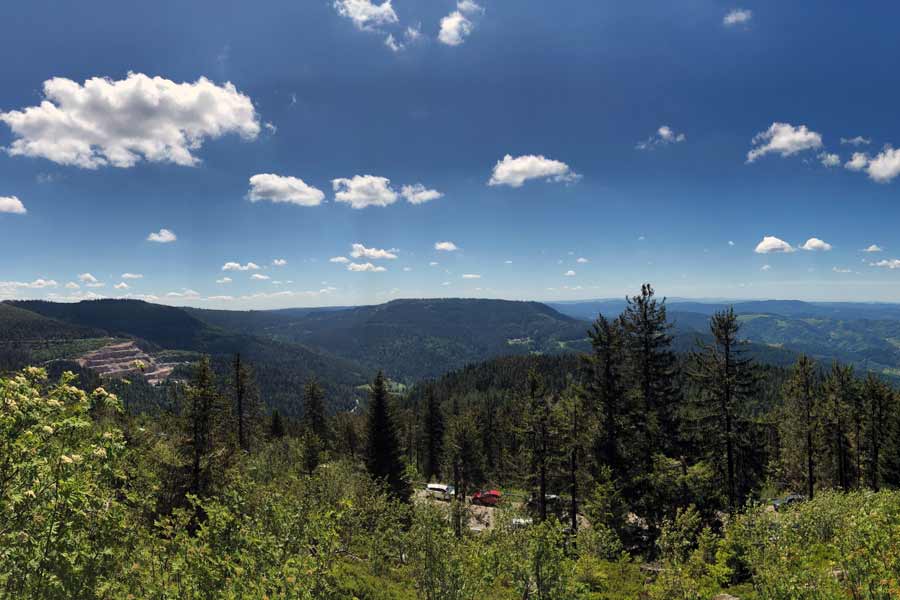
282	367
411	339
630	471
866	335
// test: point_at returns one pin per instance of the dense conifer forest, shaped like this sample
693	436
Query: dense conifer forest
627	471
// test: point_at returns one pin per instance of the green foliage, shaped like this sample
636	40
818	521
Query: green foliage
835	546
61	515
81	485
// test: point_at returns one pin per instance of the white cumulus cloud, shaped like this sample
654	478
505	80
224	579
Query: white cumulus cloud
857	162
132	276
11	204
259	277
236	266
366	15
121	286
784	139
446	247
516	171
279	262
458	25
770	244
455	28
119	123
163	236
284	189
893	263
365	267
569	273
885	166
361	191
339	259
224	280
737	16
581	260
360	251
419	194
829	159
814	244
874	248
471	276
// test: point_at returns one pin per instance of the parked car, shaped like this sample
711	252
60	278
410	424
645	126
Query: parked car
440	491
487	497
779	503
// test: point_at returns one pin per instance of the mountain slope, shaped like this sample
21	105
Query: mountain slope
865	335
411	339
18	323
282	368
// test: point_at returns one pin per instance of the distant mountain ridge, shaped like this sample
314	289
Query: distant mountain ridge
282	368
411	339
866	335
415	339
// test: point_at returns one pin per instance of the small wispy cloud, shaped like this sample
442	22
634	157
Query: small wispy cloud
737	16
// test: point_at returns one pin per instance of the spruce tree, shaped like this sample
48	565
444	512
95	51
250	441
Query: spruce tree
839	392
240	389
383	458
652	373
538	435
276	428
800	423
726	381
247	406
434	435
205	421
573	427
876	400
604	394
314	418
465	460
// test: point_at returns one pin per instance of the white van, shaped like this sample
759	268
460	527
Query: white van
440	491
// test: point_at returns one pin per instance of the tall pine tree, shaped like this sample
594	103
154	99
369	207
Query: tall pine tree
539	440
604	394
726	380
434	435
314	419
383	456
652	373
839	400
247	406
877	406
800	422
205	441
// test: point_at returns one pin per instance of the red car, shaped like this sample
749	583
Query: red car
487	498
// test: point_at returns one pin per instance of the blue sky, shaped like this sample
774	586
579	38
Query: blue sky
755	98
